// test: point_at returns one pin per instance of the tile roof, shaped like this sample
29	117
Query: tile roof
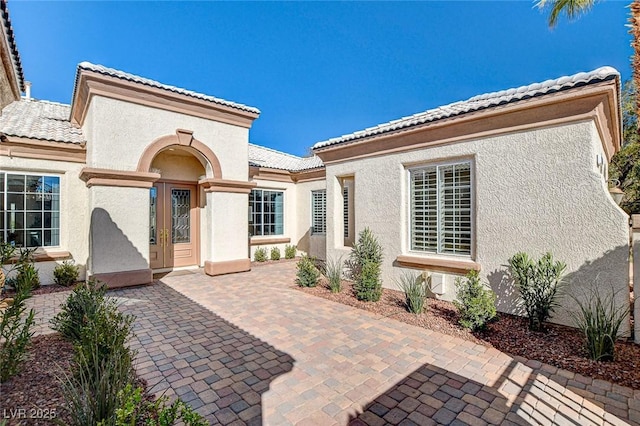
267	157
152	83
479	102
40	120
15	55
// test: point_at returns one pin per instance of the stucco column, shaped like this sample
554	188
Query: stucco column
227	205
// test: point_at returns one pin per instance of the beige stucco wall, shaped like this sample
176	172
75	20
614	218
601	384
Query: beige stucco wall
535	191
74	219
117	134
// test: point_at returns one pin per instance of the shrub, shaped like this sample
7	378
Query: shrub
15	334
275	253
415	291
476	303
540	285
308	274
27	277
333	272
260	255
82	305
6	253
289	251
599	320
367	249
66	274
368	286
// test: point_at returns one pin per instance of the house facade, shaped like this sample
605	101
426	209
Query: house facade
136	177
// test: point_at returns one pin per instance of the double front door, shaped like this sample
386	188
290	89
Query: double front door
173	225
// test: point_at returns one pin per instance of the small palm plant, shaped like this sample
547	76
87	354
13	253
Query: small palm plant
333	272
415	291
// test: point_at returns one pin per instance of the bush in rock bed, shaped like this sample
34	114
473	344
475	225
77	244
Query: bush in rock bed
15	333
307	274
260	255
364	267
415	291
66	274
275	253
333	273
289	251
475	303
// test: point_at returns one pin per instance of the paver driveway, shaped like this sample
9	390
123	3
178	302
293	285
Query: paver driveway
248	348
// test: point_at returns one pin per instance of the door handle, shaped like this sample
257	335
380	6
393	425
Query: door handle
161	237
166	237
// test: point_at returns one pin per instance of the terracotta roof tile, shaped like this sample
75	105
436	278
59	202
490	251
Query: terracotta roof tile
40	120
270	158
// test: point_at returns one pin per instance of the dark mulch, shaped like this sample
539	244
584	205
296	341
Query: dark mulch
36	389
560	346
44	289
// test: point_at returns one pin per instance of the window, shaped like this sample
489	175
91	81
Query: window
266	215
441	208
345	211
30	210
319	212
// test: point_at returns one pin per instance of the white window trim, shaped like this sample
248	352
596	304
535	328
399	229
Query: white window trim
315	191
426	254
35	173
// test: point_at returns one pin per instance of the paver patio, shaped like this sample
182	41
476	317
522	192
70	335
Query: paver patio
249	349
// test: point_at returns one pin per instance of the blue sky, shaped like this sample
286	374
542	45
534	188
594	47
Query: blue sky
317	69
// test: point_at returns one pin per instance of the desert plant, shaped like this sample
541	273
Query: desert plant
289	251
333	273
307	274
66	274
82	305
260	255
599	320
475	303
366	249
6	252
540	285
27	277
15	334
415	291
275	253
368	286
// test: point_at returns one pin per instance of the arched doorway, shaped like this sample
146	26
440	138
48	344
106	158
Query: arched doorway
174	219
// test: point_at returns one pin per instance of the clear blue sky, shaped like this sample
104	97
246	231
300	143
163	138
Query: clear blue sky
317	69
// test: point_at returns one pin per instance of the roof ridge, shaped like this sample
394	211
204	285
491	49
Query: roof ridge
478	102
112	72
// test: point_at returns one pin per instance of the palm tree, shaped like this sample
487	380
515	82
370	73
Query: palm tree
572	8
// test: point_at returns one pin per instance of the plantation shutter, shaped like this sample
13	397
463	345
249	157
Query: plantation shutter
424	209
345	211
319	212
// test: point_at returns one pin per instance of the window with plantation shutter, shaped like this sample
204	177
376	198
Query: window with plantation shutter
319	212
345	211
441	208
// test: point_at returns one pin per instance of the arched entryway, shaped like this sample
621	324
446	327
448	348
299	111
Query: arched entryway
175	200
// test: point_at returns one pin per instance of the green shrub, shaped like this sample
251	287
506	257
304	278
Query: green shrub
599	320
260	255
66	274
289	251
415	291
27	277
82	305
275	253
476	303
366	249
368	286
15	334
308	274
540	285
333	272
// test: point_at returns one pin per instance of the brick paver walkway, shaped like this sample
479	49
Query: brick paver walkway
249	349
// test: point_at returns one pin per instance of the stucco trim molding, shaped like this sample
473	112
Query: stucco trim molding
107	177
11	146
458	266
182	138
309	175
44	256
227	266
226	185
90	83
594	103
259	241
125	278
265	173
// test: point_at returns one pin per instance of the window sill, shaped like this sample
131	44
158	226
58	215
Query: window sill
44	256
259	241
460	266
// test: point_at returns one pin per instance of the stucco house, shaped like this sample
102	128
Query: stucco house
136	177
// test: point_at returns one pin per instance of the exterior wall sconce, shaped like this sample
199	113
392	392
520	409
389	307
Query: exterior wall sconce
616	193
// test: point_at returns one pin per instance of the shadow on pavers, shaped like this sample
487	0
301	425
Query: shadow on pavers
184	349
432	395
